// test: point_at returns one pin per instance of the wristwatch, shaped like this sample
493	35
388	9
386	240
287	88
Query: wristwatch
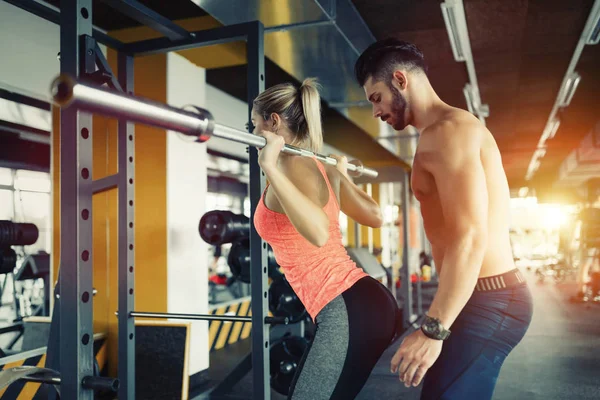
433	328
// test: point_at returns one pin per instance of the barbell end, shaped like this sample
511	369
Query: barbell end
370	173
101	383
62	89
205	133
277	320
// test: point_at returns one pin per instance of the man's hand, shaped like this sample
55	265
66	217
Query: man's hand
416	355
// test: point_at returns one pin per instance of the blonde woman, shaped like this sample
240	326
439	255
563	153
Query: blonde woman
298	215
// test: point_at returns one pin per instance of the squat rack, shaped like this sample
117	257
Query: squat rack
69	347
82	59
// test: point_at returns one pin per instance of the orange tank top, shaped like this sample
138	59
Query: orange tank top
317	275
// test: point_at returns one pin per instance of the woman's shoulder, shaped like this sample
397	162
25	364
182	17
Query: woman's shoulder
308	169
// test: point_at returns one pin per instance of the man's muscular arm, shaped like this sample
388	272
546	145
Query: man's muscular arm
460	180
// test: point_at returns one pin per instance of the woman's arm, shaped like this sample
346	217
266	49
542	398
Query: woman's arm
354	202
296	193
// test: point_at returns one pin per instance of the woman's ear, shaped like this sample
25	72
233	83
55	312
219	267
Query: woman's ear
275	121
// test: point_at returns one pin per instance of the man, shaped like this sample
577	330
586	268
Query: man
482	307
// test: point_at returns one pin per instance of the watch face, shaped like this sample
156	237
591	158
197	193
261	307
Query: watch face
434	329
432	326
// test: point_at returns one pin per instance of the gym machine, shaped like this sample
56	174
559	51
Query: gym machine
14	234
69	345
219	227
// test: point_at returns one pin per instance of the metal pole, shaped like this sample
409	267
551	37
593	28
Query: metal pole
258	249
53	349
199	317
126	204
420	274
299	25
193	122
407	307
419	296
76	310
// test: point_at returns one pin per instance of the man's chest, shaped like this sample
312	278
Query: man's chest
422	182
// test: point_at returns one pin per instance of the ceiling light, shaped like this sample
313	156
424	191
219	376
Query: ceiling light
569	89
448	11
594	36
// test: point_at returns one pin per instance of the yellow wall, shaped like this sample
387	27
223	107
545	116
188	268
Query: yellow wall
364	230
377	231
223	55
351	242
55	169
150	223
363	118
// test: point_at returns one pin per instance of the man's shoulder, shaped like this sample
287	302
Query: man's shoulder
454	135
455	122
454	128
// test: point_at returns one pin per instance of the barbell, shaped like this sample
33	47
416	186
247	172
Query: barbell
195	122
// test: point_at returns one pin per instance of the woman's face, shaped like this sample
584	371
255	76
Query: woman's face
273	124
260	124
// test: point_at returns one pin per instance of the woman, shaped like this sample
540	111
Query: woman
298	215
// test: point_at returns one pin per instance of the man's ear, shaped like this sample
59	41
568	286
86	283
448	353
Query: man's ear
400	80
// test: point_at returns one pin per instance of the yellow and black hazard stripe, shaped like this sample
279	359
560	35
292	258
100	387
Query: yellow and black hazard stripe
222	333
22	390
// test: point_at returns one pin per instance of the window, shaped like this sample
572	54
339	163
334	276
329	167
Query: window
6	177
33	206
7	209
247	207
25	197
33	181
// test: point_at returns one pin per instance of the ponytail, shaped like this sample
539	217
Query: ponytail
311	106
300	108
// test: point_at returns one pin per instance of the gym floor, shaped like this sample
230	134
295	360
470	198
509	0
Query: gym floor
559	358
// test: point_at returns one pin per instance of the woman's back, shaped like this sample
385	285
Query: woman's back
307	170
317	274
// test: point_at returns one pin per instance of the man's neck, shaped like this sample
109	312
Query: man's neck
426	108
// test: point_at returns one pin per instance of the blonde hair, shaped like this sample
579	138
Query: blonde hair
299	108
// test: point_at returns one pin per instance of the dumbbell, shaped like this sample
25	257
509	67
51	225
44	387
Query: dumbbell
219	227
239	261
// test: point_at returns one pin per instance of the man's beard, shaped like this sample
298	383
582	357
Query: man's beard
399	105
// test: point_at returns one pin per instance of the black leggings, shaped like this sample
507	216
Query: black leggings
353	330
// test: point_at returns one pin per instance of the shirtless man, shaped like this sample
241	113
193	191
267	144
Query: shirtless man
483	307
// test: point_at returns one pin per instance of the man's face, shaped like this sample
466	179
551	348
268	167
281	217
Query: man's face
388	103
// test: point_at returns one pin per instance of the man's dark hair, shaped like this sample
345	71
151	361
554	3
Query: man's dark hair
382	57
